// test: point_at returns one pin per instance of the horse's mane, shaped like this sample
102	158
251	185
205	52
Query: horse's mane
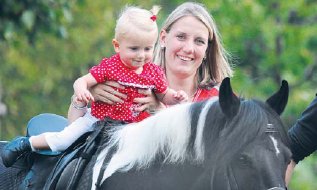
167	133
181	132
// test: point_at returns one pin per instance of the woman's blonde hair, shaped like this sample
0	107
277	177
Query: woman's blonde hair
215	67
132	16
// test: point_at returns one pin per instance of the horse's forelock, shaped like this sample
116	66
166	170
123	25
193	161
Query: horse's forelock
249	124
226	136
277	123
229	137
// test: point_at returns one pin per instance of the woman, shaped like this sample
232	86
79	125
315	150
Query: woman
191	53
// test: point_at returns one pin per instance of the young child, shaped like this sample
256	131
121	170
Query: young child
136	33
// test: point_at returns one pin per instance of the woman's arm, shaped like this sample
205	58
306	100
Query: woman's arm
101	92
106	92
289	172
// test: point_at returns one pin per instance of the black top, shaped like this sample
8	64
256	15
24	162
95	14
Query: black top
303	135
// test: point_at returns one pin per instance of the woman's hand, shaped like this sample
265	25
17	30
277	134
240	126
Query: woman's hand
106	92
150	103
289	172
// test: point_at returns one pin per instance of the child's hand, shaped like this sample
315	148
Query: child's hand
180	96
83	95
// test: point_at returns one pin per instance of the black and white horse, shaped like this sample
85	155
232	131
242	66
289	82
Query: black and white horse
225	143
217	144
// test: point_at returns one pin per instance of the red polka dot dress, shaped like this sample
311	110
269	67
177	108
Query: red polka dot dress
112	69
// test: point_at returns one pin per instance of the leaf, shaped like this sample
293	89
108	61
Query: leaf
28	19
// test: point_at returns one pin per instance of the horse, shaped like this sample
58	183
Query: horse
228	143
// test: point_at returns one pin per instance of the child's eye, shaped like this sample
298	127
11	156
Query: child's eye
134	48
148	48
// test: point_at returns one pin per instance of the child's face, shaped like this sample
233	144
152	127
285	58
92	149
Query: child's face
136	48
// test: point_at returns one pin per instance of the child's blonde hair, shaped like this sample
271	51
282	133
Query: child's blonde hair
132	16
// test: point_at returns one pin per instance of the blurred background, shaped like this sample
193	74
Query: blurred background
46	44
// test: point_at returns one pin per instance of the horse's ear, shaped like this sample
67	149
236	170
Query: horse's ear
229	102
279	100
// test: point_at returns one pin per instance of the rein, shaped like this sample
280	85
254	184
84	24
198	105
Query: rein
85	156
103	168
270	128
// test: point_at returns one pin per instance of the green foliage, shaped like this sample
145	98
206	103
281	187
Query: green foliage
45	45
32	17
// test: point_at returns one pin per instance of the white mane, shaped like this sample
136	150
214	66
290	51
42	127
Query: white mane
167	132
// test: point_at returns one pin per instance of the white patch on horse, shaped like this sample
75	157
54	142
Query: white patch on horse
277	188
167	132
277	151
199	144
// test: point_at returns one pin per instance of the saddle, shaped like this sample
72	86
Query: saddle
73	162
39	165
47	169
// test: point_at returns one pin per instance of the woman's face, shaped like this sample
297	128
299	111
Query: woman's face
185	44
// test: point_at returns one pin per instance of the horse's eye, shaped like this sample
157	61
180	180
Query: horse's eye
244	160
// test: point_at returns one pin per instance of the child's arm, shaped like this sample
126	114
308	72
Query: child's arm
171	97
76	109
81	86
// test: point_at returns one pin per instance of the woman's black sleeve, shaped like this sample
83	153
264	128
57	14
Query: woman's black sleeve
303	135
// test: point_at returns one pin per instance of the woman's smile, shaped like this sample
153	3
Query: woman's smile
185	58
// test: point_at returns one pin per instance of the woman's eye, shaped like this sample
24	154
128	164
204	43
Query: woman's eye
180	37
200	42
